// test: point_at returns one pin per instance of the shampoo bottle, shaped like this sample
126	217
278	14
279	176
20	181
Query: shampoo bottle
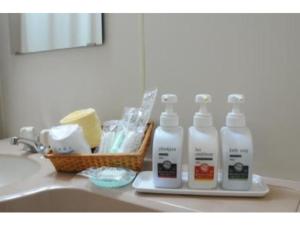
167	147
237	148
203	148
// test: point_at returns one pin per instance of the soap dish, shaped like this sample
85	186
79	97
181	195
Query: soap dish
144	183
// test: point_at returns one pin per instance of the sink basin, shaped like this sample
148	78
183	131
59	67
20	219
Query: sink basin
68	200
16	168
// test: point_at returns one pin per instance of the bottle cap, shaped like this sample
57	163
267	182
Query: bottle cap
169	118
203	118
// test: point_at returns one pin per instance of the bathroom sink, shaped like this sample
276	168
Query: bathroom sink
68	200
16	168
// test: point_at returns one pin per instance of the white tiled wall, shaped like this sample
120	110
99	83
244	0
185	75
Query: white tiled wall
256	55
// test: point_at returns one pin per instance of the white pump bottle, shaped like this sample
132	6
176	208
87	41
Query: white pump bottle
203	148
167	147
237	148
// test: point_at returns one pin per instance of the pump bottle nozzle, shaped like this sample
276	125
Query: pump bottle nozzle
203	99
236	99
169	100
236	118
203	118
169	117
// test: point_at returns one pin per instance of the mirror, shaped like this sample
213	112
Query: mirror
36	32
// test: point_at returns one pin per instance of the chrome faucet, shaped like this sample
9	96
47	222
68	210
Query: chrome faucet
31	145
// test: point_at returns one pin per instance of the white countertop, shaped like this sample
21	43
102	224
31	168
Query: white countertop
284	195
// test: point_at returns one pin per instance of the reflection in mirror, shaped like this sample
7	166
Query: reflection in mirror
35	32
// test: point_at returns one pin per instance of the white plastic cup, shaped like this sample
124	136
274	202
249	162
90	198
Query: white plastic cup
69	138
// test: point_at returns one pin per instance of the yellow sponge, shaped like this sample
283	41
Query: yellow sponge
90	123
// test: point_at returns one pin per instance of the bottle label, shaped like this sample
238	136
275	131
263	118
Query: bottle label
237	168
204	168
238	171
204	172
167	167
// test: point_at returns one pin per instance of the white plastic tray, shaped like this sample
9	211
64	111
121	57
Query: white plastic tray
144	183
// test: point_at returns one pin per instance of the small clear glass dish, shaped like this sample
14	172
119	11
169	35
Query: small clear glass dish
109	177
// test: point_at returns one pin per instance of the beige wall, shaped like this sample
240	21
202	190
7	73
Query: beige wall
256	55
41	88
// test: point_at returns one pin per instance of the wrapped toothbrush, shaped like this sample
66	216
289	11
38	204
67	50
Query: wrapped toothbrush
125	135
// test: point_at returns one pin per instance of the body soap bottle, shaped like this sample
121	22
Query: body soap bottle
237	148
167	147
203	148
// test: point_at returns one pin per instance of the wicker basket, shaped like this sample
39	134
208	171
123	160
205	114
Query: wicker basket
77	163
